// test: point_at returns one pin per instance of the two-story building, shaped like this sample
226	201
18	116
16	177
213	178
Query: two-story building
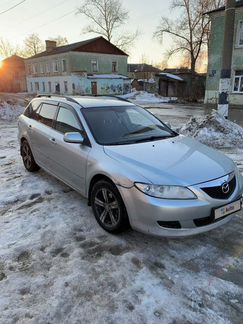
215	56
94	66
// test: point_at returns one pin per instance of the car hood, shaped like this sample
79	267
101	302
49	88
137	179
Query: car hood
179	160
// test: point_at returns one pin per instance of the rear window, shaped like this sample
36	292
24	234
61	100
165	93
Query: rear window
31	109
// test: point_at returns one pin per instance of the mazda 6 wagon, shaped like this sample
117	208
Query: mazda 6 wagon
132	168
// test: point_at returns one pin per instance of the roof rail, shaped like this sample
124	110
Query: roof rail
110	96
122	99
57	95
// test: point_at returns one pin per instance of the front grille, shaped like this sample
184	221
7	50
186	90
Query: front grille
217	192
169	224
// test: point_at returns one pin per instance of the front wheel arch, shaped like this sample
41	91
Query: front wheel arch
119	220
93	181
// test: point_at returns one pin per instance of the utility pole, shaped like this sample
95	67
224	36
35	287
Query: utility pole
225	75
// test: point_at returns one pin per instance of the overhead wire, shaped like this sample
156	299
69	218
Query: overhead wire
50	22
11	8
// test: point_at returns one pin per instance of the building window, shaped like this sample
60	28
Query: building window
94	66
114	67
47	67
73	86
41	68
55	66
43	87
29	69
49	86
240	34
57	87
65	86
64	66
31	87
37	87
34	68
238	82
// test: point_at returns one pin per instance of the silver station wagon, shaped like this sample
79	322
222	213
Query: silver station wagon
133	169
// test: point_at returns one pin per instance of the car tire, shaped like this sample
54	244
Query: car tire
27	156
108	207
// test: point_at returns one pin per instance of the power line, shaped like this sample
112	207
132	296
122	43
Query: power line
19	3
46	24
45	11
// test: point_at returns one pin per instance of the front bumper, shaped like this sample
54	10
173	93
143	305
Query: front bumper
174	218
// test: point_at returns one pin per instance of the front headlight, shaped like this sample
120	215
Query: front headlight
165	192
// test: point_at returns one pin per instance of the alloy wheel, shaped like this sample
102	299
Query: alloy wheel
107	207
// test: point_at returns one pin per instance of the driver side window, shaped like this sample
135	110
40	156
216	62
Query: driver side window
67	122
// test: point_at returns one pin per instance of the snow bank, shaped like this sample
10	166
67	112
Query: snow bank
143	97
10	111
214	130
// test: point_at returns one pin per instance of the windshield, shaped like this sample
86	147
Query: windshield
124	125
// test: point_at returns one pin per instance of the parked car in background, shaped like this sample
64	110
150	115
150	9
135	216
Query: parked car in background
133	169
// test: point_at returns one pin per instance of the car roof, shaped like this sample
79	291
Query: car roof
88	101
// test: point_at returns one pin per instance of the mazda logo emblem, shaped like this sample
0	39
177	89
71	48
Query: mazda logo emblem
225	187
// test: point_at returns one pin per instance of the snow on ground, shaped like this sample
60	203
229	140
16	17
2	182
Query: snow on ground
9	111
143	97
58	266
214	130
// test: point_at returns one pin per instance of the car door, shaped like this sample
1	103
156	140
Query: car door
70	159
41	133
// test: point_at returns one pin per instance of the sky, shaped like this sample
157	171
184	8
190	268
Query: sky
50	18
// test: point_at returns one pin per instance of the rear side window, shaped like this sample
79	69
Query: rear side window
31	109
47	114
67	122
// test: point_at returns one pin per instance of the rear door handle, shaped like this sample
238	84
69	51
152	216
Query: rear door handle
53	140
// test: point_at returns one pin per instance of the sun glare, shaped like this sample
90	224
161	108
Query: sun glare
1	62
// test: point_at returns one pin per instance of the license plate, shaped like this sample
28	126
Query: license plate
228	209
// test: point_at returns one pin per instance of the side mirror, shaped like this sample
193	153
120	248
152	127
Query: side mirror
73	137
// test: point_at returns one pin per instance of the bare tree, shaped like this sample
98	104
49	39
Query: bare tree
190	32
106	19
7	49
32	45
61	40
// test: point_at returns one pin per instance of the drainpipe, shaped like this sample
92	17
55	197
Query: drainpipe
225	75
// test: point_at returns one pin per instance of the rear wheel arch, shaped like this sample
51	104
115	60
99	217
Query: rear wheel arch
27	156
21	142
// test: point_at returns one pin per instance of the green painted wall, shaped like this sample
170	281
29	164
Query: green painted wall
82	62
215	55
77	62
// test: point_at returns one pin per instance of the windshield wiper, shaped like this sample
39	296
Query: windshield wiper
121	142
153	138
140	130
145	139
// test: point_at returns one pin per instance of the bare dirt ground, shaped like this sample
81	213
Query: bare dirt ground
58	266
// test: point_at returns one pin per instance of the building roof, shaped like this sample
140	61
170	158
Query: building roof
177	71
237	5
13	58
142	68
93	45
170	76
